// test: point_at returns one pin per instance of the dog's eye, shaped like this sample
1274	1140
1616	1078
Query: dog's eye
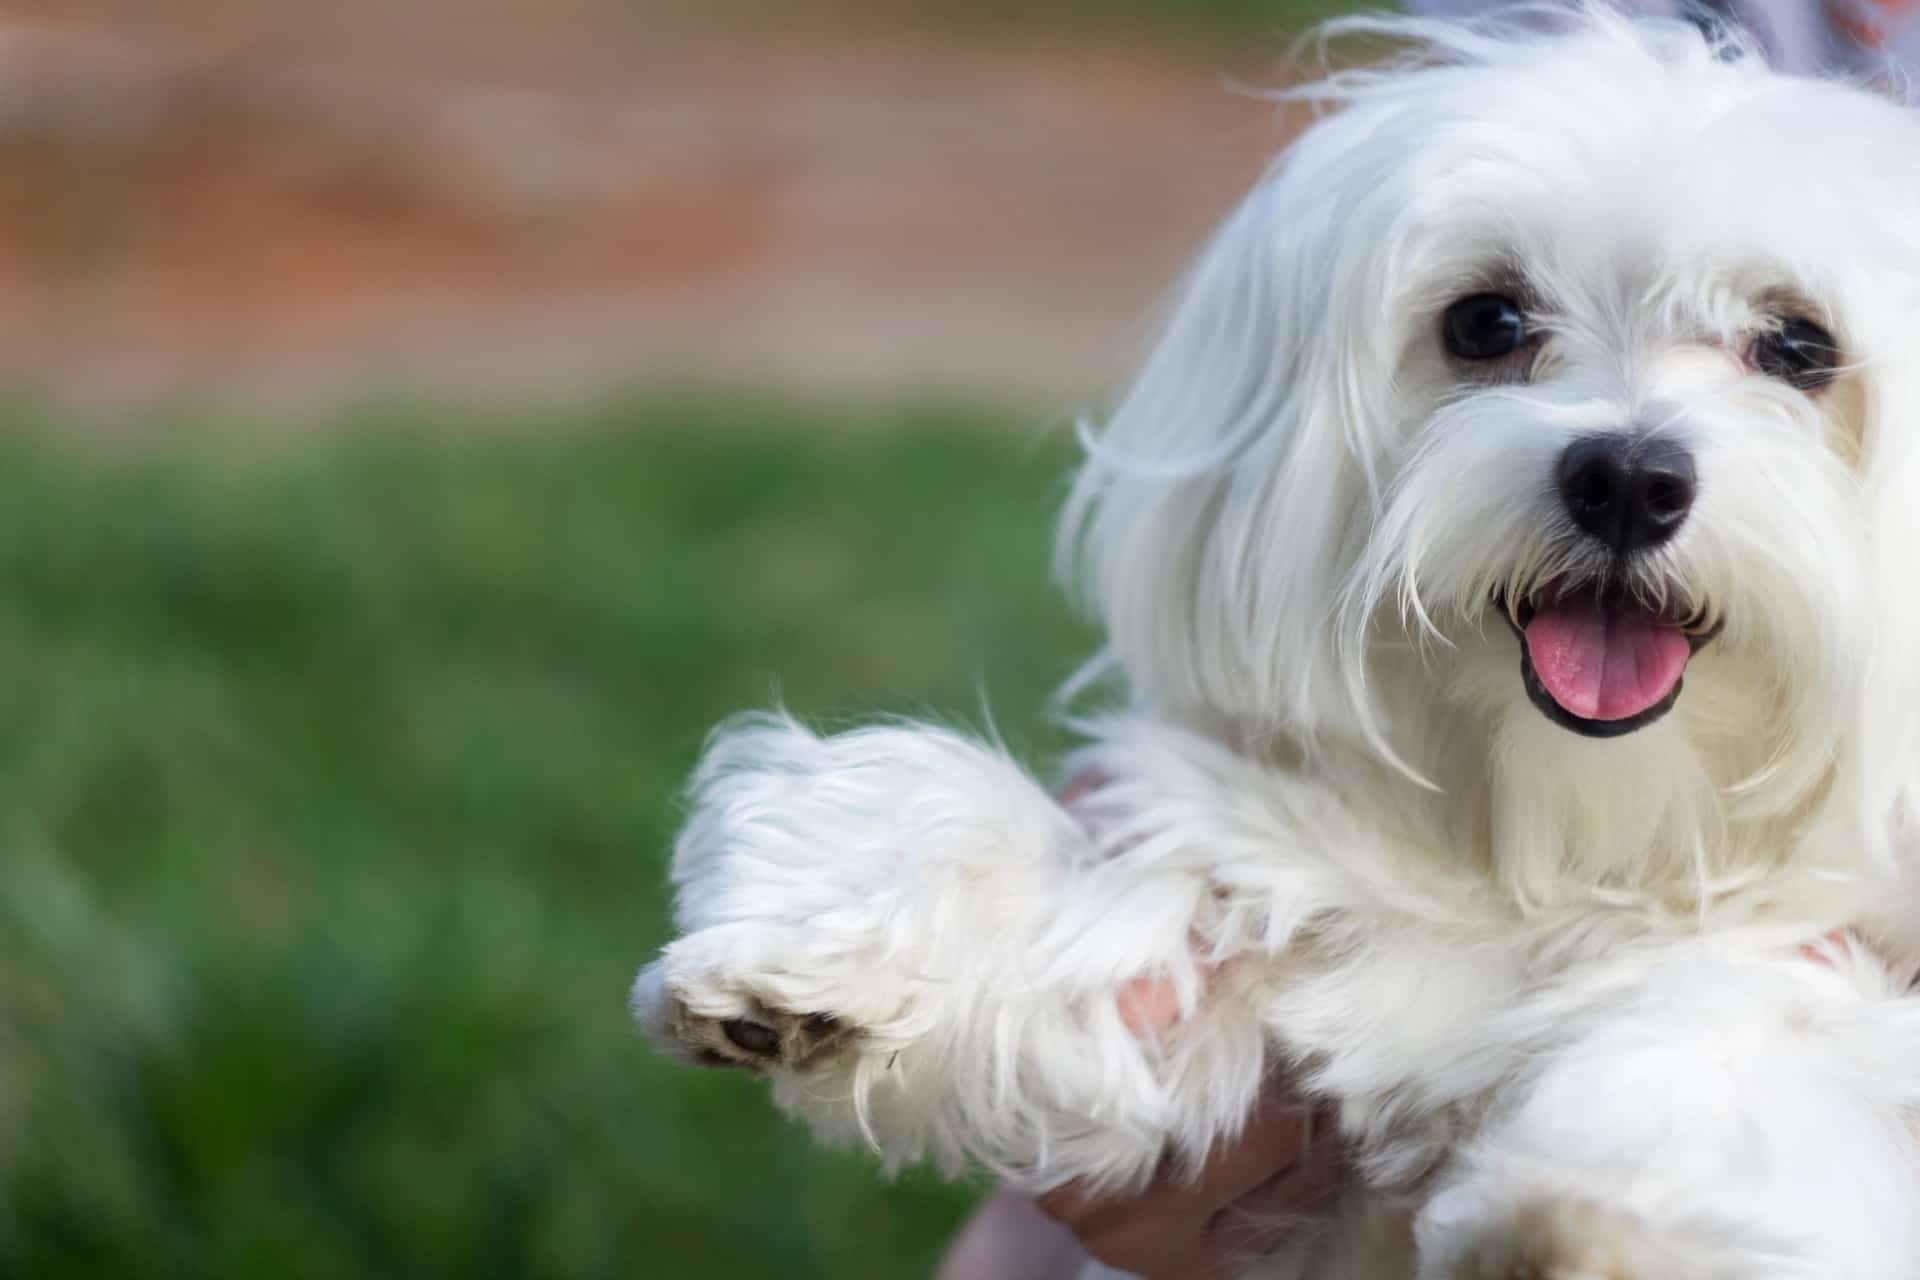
1799	353
1484	326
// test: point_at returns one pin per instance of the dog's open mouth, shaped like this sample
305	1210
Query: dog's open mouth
1600	662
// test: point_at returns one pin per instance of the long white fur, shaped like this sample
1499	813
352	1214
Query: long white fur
1558	986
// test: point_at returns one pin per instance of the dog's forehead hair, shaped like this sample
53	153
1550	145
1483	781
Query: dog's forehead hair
1642	262
1676	200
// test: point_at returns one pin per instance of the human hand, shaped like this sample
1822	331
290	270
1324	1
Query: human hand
1254	1190
1240	1207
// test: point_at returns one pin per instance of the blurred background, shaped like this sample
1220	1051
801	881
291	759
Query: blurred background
419	422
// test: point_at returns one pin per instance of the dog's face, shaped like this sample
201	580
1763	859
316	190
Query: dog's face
1562	386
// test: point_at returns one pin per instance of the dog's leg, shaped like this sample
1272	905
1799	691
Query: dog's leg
1566	1238
923	951
1729	1120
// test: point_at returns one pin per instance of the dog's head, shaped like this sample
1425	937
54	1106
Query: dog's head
1560	389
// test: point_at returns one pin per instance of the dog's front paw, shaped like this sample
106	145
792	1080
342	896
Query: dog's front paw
712	1022
1569	1239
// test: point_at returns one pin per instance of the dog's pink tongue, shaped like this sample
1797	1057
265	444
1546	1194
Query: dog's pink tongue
1603	662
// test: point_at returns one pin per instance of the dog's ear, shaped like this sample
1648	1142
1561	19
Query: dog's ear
1885	768
1219	507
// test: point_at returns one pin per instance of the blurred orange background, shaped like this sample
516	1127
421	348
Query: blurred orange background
223	201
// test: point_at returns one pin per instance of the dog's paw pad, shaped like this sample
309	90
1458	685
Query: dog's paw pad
768	1039
716	1020
752	1038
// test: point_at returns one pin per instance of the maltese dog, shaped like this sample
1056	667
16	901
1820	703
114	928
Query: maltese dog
1507	553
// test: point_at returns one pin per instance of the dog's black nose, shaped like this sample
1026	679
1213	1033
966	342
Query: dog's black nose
1630	492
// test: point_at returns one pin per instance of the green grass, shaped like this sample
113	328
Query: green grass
336	777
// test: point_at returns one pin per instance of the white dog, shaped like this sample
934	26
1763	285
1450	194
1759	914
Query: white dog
1550	369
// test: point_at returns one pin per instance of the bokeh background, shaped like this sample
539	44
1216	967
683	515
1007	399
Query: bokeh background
418	424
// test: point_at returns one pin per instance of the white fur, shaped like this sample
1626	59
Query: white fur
1557	985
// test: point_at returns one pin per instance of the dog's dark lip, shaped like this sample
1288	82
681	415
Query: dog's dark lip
1517	620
